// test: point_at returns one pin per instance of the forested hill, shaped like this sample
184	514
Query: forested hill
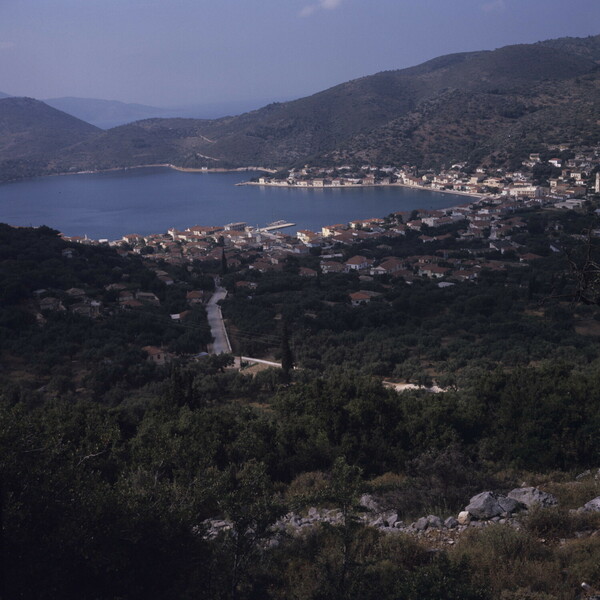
31	135
587	47
480	106
30	127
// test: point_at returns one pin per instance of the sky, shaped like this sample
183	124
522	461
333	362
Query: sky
189	52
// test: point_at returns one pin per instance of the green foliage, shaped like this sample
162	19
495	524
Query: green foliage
507	559
104	353
110	465
287	359
245	497
555	523
581	560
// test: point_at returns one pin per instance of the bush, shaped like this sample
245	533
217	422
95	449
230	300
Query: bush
580	560
503	558
557	522
386	482
306	487
573	494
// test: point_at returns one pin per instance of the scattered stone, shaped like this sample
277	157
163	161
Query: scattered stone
434	522
509	505
390	519
483	509
592	505
588	473
367	501
219	524
484	506
464	518
530	496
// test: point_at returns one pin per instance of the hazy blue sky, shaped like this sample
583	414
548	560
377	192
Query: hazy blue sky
175	52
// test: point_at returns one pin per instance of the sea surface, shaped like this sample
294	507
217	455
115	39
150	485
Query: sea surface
151	200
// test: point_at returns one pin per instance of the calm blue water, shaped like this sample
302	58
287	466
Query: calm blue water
151	200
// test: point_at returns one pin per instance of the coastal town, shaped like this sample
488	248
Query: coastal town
448	245
538	176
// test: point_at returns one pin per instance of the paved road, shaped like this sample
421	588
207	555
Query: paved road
261	361
217	327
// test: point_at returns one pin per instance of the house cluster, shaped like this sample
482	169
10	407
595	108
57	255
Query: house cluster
471	237
74	300
94	303
569	178
481	238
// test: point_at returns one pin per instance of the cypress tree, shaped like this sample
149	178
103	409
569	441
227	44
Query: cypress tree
223	263
287	359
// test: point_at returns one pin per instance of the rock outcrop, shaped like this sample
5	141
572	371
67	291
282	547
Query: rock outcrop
591	506
530	496
483	509
488	505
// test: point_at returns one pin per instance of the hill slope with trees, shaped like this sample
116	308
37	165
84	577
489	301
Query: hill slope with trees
489	105
113	467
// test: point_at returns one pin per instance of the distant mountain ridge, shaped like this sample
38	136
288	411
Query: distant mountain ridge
486	106
107	114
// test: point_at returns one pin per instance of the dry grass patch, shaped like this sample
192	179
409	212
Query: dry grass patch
387	481
588	327
558	522
580	560
573	494
511	562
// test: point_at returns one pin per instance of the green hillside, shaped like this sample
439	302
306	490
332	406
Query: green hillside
588	47
30	127
470	100
31	135
489	106
493	127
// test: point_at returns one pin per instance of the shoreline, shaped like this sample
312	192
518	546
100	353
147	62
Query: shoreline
251	183
469	197
150	166
361	185
164	165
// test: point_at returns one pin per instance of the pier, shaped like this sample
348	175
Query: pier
277	225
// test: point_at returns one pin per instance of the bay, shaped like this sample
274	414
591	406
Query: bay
151	200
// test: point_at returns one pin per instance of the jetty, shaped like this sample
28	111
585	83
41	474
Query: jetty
277	225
